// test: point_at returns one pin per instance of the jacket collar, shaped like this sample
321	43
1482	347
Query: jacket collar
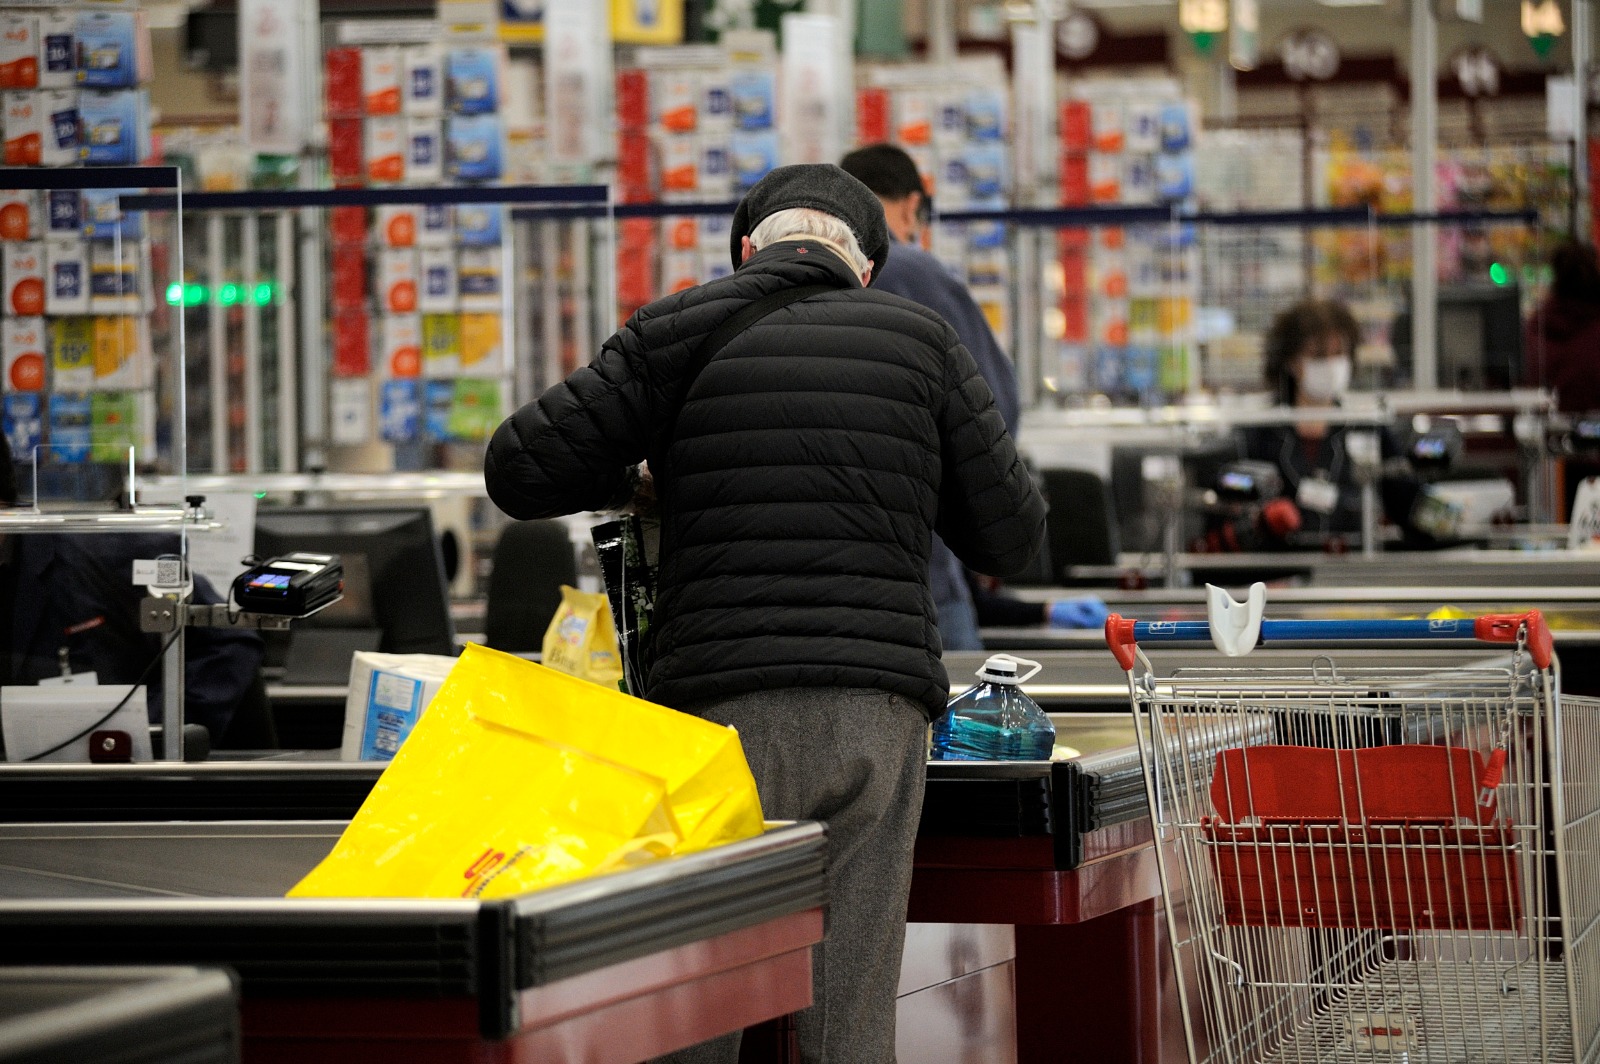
809	261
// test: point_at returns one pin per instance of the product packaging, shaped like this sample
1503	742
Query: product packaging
19	51
72	354
438	396
437	228
716	103
438	290
62	127
64	212
342	83
349	277
716	167
481	349
422	92
380	80
22	341
473	149
348	225
24	129
913	118
115	419
114	128
71	424
402	345
345	146
19	214
679	163
103	218
753	92
114	281
350	410
474	80
23	415
633	99
24	279
399	412
397	225
424	151
680	270
121	357
397	280
67	268
388	694
441	345
352	344
677	100
478	278
478	224
475	409
385	149
113	49
754	155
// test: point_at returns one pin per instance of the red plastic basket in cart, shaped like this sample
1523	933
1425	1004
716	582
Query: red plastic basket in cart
1392	838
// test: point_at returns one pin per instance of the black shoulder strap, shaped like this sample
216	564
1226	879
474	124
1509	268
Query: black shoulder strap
723	334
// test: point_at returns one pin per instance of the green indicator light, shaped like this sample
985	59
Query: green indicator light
194	295
175	293
1498	274
261	495
228	294
261	295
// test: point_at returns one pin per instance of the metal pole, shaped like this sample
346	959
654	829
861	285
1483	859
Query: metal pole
251	250
217	340
172	661
941	31
1582	60
288	385
314	345
1424	132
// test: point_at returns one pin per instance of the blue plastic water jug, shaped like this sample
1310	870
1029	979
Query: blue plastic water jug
994	720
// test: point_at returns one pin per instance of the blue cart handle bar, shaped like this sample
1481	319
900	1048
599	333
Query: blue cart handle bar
1123	634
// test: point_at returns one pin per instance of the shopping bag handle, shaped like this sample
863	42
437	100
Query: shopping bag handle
1124	634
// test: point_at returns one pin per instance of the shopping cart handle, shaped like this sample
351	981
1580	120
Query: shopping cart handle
1123	634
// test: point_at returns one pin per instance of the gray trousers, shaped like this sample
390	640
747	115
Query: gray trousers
853	757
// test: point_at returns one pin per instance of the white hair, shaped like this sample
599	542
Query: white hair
807	221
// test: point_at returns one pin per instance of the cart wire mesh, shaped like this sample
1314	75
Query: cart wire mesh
1406	872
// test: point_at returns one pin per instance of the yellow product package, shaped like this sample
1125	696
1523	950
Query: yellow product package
582	640
520	777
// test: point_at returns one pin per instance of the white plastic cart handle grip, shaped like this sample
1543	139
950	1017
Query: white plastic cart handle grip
1235	626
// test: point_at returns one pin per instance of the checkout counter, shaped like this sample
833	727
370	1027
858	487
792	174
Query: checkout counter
614	969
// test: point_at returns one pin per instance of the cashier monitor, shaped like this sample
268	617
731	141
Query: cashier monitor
395	596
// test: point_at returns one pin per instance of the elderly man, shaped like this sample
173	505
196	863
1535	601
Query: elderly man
801	473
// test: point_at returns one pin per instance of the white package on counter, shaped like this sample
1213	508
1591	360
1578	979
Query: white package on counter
388	694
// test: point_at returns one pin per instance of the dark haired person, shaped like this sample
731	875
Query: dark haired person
1562	339
1307	363
75	593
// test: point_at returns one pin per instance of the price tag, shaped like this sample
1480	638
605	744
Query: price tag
1317	495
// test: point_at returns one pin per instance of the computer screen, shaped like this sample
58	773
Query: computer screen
394	576
1479	337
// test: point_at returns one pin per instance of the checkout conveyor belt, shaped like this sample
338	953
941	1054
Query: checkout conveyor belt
118	1016
210	893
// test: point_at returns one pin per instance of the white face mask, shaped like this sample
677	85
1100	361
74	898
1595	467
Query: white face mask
1322	380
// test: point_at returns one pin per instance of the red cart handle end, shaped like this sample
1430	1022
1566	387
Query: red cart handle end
1119	637
1503	628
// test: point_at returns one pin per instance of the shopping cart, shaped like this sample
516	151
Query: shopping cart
1408	870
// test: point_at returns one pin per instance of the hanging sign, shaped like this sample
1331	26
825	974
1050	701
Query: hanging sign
1542	24
1203	20
271	76
1309	55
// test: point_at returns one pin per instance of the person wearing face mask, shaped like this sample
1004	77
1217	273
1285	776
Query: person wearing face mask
1309	354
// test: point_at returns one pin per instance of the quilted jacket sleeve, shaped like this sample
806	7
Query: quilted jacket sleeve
990	514
573	448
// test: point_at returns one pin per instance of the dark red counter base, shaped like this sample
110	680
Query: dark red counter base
621	1014
1094	978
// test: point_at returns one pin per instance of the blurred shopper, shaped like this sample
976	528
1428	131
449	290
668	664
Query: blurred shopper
1309	358
1562	339
916	275
799	481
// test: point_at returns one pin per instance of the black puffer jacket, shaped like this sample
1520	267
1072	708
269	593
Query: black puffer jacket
819	451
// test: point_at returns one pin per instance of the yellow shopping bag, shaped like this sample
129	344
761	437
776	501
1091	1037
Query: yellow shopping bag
582	640
519	777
